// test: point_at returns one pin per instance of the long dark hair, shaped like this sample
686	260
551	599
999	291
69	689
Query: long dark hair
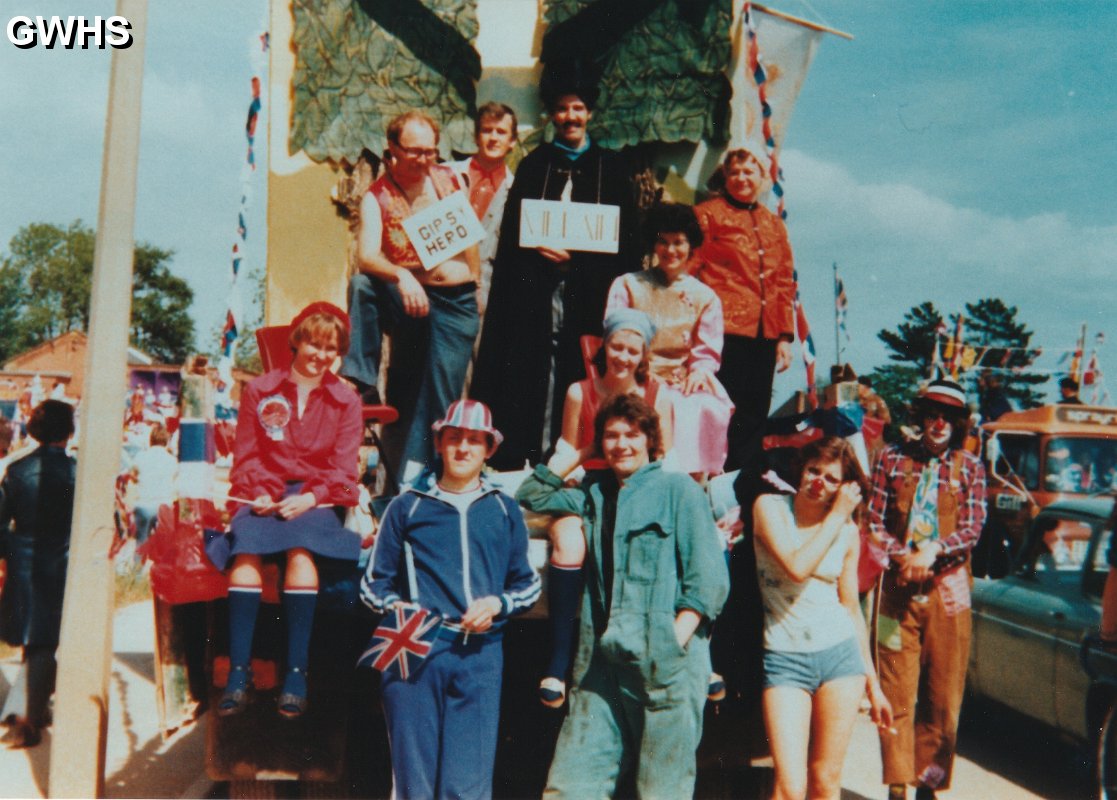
834	448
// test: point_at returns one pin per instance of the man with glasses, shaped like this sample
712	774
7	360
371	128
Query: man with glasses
926	511
430	314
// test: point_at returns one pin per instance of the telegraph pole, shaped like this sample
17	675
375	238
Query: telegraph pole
77	765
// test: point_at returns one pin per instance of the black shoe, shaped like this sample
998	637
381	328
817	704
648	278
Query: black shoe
897	791
237	692
20	735
924	793
292	705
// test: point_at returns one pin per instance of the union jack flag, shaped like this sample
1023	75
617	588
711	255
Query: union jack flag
401	641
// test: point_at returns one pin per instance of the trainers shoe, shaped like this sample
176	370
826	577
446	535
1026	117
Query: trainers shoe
715	690
552	692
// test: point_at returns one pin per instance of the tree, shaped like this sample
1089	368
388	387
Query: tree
995	341
45	284
1000	344
911	346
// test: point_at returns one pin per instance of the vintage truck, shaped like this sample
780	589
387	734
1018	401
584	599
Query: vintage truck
1037	457
1034	647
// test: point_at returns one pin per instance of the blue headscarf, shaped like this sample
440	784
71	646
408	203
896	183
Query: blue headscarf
629	319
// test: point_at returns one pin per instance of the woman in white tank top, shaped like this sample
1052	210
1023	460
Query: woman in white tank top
816	651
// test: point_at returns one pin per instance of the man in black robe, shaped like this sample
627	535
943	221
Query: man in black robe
544	300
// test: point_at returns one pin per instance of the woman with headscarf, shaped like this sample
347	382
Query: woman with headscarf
621	367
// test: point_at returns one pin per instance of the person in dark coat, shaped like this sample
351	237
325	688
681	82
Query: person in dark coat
36	508
544	300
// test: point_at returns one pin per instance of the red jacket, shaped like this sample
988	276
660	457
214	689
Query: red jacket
746	259
319	448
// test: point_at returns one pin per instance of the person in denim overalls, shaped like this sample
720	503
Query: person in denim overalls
655	579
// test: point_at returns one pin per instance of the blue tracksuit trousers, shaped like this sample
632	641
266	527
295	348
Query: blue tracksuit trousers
442	724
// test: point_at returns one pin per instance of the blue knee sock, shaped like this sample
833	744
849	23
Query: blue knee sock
298	604
244	603
564	593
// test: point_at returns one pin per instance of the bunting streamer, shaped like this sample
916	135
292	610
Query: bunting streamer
232	328
760	76
806	343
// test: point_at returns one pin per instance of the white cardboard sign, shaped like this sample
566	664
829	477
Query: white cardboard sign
443	230
592	227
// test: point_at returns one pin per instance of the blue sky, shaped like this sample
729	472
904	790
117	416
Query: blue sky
951	151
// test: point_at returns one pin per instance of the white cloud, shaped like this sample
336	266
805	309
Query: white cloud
898	245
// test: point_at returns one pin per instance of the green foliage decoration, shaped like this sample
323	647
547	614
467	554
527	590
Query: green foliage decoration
359	63
661	65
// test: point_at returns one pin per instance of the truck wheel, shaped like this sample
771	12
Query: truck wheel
1107	756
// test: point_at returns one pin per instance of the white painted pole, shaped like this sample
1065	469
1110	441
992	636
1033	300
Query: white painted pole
77	765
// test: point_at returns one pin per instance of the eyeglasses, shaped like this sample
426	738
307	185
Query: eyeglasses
417	152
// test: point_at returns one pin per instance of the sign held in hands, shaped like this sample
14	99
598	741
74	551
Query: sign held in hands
444	229
591	227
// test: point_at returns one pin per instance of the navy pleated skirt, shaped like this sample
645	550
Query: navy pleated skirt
319	530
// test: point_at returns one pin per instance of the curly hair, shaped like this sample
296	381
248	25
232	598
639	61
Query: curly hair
635	411
672	218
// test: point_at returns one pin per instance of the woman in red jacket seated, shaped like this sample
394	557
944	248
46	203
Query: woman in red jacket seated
294	468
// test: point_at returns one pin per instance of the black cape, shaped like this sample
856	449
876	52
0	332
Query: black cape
513	366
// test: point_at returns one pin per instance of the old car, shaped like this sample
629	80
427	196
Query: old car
1029	629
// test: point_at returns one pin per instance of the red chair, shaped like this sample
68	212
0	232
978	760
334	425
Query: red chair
590	345
275	353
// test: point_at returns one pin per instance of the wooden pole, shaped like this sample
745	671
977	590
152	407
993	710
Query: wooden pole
77	765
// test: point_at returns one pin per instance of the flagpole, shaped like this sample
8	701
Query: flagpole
837	338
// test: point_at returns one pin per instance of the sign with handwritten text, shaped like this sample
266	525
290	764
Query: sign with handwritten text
591	227
443	230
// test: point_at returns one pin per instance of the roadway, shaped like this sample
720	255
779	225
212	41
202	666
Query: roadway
1002	756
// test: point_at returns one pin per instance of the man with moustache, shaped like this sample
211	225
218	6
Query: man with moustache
431	314
487	179
926	511
544	300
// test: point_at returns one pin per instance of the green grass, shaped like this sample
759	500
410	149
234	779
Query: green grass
131	585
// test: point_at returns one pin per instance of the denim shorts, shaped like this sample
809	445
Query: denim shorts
808	671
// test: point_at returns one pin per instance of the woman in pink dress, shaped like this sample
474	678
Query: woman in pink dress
686	349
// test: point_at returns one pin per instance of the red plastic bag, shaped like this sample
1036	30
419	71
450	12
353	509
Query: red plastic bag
868	568
180	570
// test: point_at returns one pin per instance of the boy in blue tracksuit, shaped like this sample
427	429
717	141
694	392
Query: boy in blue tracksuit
454	545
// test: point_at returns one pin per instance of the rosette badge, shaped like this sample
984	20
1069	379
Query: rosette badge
274	413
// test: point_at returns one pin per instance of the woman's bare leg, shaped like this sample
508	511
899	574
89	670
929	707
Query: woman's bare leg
787	719
835	710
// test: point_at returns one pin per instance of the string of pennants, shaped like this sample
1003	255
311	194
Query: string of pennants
775	174
234	315
951	354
